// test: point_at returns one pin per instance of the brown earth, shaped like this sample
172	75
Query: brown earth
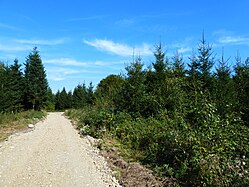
130	174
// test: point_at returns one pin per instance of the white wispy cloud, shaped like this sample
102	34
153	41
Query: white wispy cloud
10	27
126	22
76	63
86	18
41	42
222	32
235	40
184	49
59	74
12	47
119	48
65	62
183	46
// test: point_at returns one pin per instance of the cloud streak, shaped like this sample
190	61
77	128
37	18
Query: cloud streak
118	48
86	18
184	49
40	42
15	48
75	63
235	40
59	74
10	27
66	62
184	46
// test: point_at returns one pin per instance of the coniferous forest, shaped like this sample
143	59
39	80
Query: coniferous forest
23	90
186	119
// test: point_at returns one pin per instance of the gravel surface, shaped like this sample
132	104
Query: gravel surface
52	154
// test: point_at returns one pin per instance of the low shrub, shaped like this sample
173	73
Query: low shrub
211	153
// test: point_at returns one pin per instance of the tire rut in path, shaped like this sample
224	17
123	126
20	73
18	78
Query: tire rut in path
53	154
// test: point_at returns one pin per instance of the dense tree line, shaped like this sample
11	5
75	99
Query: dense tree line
23	90
171	86
81	97
186	119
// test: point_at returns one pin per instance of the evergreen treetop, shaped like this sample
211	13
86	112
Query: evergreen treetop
35	81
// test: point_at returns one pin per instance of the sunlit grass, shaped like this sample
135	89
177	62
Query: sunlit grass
10	123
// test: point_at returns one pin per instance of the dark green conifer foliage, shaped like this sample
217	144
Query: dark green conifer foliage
193	72
223	88
90	94
79	96
36	84
50	104
58	105
178	65
11	88
63	99
4	97
69	99
241	80
161	63
205	61
132	94
16	87
107	91
109	85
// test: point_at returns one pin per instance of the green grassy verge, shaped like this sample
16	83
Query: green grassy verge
10	123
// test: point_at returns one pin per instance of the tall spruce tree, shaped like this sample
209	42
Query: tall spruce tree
50	104
178	65
69	99
161	63
241	79
79	96
63	100
90	94
58	105
131	96
4	89
205	61
36	84
16	86
223	88
193	71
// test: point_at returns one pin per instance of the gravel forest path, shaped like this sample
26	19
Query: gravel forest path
51	154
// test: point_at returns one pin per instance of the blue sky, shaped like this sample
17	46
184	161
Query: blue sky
83	41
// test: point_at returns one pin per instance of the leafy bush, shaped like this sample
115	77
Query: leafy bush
211	153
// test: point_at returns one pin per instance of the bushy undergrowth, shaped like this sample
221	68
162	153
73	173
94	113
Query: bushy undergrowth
212	153
187	124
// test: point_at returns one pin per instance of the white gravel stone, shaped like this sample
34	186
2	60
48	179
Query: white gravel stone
31	126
